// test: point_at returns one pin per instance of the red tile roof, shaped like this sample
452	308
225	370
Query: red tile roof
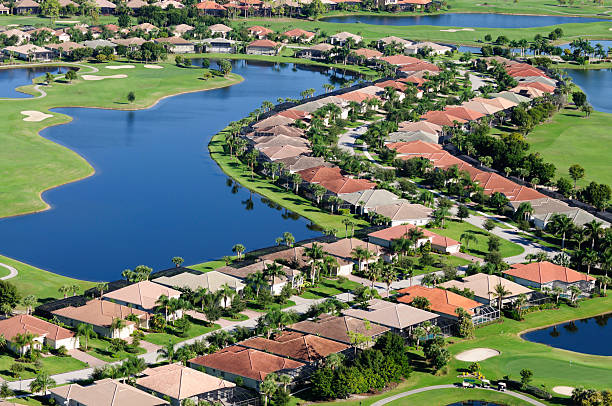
415	147
400	60
347	185
263	43
392	83
209	5
298	32
401	231
544	272
22	324
320	174
442	118
442	301
368	53
419	67
464	113
259	30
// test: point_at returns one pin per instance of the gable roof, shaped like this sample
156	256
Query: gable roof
420	126
483	285
263	43
347	185
403	211
98	312
401	231
337	327
400	60
107	392
298	32
371	198
210	5
259	30
246	362
23	323
320	174
143	294
211	281
441	301
180	382
341	36
219	28
545	272
394	315
415	147
298	346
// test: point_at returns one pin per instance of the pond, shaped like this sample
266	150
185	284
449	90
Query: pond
597	84
156	192
10	79
589	336
463	20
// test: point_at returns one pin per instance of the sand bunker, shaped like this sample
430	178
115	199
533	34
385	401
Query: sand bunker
458	29
153	67
94	77
33	115
563	390
477	354
120	67
69	21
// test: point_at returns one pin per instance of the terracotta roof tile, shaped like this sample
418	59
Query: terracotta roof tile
337	327
545	272
298	346
442	301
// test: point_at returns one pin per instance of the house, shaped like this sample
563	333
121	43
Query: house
44	333
212	281
464	113
273	121
266	141
306	348
106	392
336	187
404	213
316	52
342	37
99	43
26	7
105	6
432	47
176	45
320	174
420	126
143	296
100	314
291	276
438	243
220	45
545	274
211	8
299	35
400	60
443	118
280	130
368	53
279	152
409	136
383	42
404	5
164	4
4	10
136	4
446	303
337	328
179	382
220	29
259	32
182	29
398	317
132	43
22	36
511	96
483	285
29	52
252	366
263	47
366	200
342	251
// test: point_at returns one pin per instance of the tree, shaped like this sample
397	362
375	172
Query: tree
41	383
24	341
131	97
101	287
462	212
575	292
499	292
87	331
29	302
167	352
465	325
64	290
225	66
315	254
268	387
9	296
272	271
526	377
489	224
257	280
238	249
48	78
576	172
560	225
177	261
70	76
579	98
421	302
117	325
468	237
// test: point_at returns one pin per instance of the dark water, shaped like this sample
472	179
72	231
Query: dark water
13	78
464	20
589	336
597	84
156	193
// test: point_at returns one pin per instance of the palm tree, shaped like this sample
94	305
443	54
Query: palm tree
167	352
334	360
519	303
117	325
177	261
163	302
388	275
87	331
41	383
589	258
499	293
24	341
359	254
238	249
468	237
285	380
29	302
315	253
257	279
227	293
64	290
574	293
268	387
560	225
593	229
101	287
272	271
75	289
220	338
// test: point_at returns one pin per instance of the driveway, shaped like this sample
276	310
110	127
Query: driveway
346	141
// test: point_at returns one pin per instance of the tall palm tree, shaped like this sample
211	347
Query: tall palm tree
64	290
359	254
41	383
272	271
560	225
315	253
593	229
23	341
167	352
468	237
257	280
499	292
117	325
227	293
163	303
101	287
388	275
29	302
238	249
268	387
87	331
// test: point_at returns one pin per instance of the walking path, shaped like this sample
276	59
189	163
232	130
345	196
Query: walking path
86	358
12	272
436	387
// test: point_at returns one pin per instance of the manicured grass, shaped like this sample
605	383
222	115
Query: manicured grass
31	164
42	284
52	365
454	229
529	7
259	184
99	348
570	138
451	396
238	317
208	266
328	288
252	305
197	329
449	259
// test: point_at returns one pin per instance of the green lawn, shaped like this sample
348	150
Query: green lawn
238	317
443	397
572	139
42	284
252	305
52	365
197	329
98	348
449	259
208	266
454	229
263	186
31	164
328	288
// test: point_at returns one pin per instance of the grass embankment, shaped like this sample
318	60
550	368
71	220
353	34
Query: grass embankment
595	30
263	186
42	284
31	164
570	138
551	366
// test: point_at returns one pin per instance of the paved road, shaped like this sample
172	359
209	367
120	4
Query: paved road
346	142
12	272
436	387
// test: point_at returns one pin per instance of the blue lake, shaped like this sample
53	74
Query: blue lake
464	20
597	84
589	336
156	192
13	78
